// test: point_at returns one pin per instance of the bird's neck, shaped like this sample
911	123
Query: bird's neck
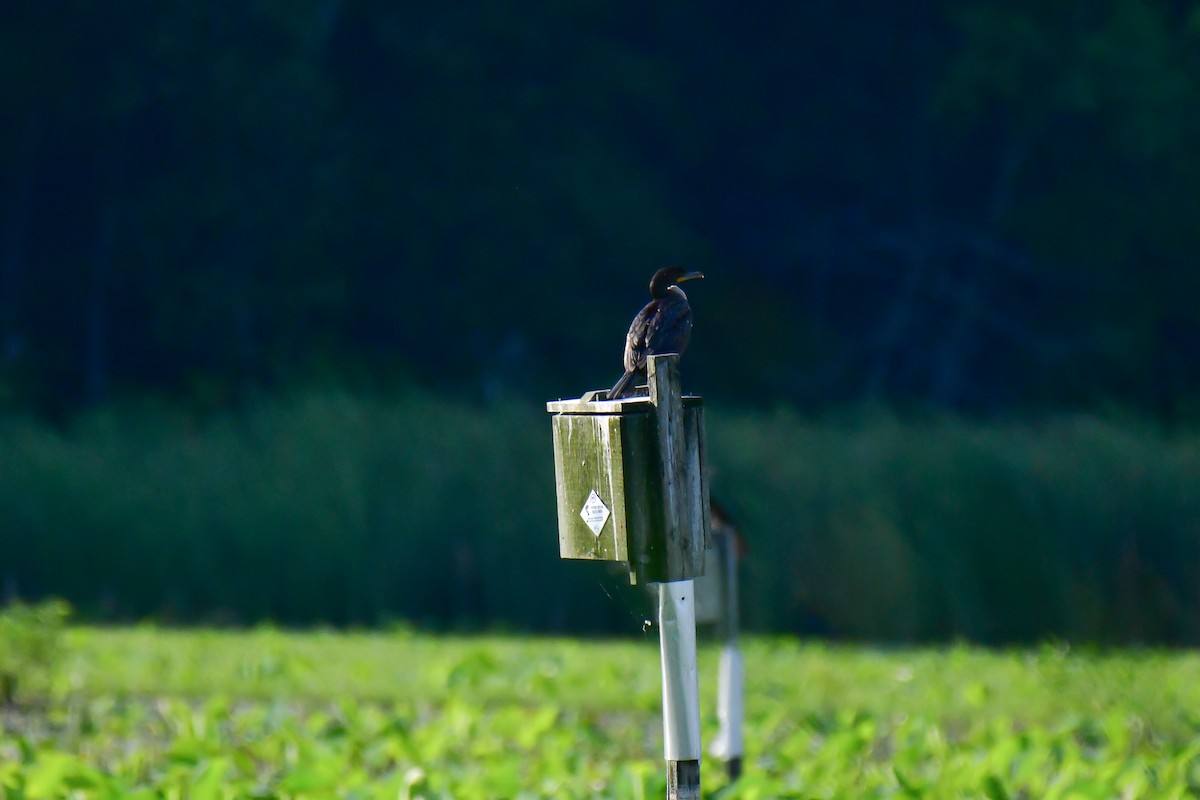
675	290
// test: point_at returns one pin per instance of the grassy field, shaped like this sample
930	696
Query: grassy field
149	713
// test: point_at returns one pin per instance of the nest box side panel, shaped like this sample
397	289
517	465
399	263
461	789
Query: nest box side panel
587	461
643	499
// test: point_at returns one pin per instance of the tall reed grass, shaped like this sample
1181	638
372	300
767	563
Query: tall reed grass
1072	527
334	508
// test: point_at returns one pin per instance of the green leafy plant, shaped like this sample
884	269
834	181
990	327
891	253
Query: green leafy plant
30	645
172	713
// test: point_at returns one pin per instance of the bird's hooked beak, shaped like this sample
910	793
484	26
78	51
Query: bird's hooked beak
688	276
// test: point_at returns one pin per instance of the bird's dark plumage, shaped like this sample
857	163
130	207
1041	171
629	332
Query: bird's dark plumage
663	326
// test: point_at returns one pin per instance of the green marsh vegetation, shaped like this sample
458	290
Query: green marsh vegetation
330	507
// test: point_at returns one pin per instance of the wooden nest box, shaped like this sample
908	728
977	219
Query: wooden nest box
630	481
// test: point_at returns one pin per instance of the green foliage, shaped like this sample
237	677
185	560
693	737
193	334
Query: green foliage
326	508
344	509
994	531
31	649
159	712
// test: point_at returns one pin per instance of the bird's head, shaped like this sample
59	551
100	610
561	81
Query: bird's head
667	277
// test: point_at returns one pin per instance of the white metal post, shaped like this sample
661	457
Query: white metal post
680	688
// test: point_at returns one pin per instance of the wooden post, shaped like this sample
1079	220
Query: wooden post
683	780
717	602
676	608
686	513
731	676
630	486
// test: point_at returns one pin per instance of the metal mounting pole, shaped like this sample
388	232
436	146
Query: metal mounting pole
731	679
681	692
676	599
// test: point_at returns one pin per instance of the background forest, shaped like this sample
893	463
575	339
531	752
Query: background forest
284	285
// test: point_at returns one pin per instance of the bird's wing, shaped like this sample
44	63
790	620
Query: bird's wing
635	340
663	326
671	330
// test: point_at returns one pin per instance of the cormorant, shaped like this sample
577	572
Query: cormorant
663	326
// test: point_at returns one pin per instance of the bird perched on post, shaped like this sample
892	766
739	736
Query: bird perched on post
663	326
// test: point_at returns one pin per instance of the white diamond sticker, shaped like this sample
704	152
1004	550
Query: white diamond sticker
594	513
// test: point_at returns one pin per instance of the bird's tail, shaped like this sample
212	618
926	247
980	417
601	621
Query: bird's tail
620	386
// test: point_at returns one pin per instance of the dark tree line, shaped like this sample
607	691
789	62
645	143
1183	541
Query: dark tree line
978	206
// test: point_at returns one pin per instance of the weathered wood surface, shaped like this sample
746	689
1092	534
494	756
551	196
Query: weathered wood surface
626	405
684	489
683	780
589	452
657	499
